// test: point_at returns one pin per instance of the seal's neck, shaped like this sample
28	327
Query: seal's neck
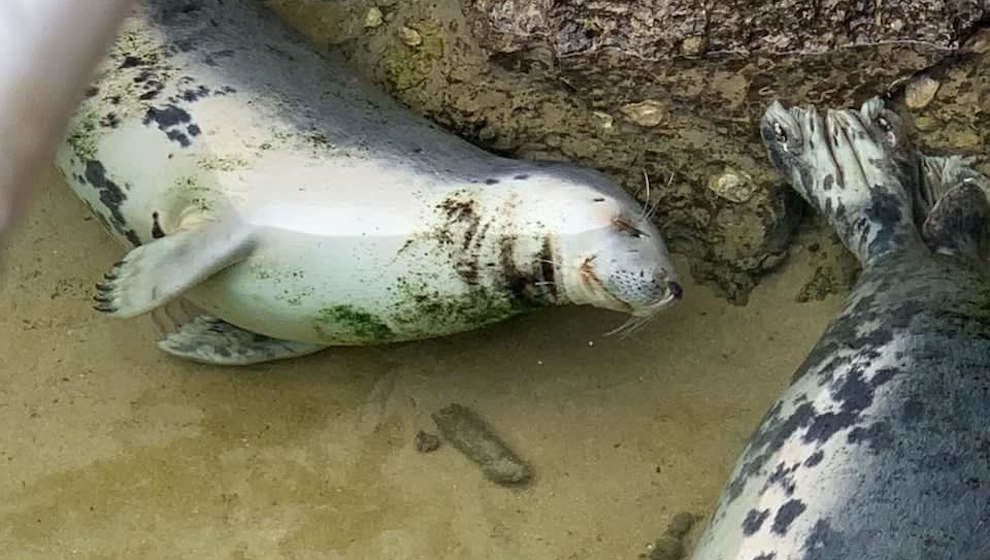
876	226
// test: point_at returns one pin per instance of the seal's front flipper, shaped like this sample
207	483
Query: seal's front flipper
959	223
153	274
209	340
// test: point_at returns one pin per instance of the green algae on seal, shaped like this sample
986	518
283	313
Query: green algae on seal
301	208
348	321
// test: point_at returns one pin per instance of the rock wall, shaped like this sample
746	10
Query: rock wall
669	88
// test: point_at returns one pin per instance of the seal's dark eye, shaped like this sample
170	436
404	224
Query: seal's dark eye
779	132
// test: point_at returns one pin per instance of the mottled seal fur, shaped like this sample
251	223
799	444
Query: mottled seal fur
302	208
880	447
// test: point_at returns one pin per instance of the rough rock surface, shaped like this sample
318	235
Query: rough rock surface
670	87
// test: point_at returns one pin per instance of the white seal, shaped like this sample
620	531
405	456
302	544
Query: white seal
302	208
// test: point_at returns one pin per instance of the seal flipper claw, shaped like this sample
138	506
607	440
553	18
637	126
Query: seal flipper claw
153	274
959	223
209	340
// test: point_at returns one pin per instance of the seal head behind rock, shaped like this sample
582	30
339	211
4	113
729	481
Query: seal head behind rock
302	208
879	448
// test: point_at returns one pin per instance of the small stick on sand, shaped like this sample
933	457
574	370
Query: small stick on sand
472	437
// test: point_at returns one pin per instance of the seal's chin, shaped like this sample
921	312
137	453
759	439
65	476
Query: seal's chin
673	293
640	314
651	309
640	309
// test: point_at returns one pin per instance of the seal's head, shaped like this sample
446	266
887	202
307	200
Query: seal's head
856	167
609	253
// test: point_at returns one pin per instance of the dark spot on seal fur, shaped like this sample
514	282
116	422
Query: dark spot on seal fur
814	458
877	436
786	515
514	279
854	396
193	130
824	543
193	95
131	61
883	375
884	210
598	199
156	228
144	76
754	520
112	197
491	181
547	267
766	556
844	333
179	137
92	91
521	177
461	221
110	120
166	117
532	286
771	437
782	476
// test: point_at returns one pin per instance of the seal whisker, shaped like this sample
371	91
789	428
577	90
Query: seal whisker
644	321
649	196
629	324
656	205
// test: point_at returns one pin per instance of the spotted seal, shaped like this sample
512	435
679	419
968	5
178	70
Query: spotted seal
301	207
880	447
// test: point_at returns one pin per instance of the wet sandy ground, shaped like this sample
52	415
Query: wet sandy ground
110	449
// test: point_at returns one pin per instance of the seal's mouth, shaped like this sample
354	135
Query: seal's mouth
673	293
640	315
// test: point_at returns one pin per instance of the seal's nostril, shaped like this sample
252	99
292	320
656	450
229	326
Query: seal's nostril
675	289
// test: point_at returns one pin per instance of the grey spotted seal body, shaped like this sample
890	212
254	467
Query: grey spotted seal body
302	208
880	447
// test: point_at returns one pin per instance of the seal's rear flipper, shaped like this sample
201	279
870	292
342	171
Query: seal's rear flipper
209	340
153	274
959	223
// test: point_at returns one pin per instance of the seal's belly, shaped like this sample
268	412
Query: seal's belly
354	289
